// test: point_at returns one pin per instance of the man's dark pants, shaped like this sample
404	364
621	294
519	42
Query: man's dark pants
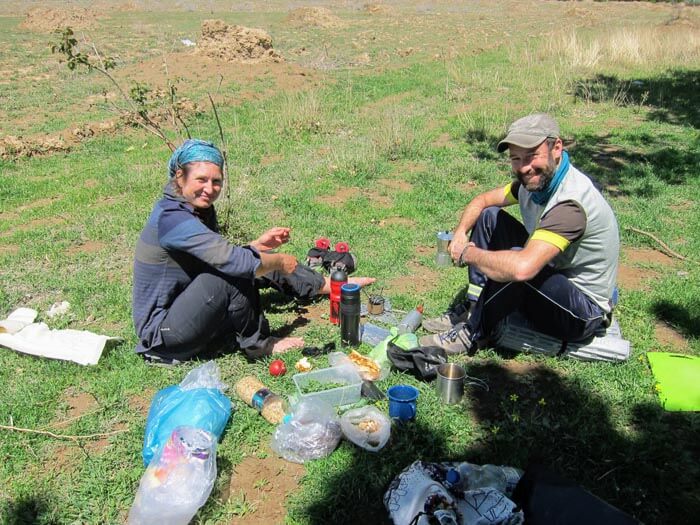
550	301
215	309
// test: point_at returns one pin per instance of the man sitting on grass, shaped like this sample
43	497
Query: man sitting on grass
192	287
558	267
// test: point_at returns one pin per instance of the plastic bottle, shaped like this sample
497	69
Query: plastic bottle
411	321
338	279
467	476
271	406
350	314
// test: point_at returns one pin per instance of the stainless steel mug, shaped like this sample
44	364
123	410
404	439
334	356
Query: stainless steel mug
450	383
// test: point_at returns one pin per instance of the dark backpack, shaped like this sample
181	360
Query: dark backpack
422	362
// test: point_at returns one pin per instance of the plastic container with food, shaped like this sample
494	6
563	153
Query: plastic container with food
337	385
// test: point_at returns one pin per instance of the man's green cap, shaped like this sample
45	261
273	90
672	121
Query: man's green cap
530	131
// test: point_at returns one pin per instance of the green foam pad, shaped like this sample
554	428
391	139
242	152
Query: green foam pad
678	380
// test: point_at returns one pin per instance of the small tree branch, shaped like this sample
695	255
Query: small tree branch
663	245
62	436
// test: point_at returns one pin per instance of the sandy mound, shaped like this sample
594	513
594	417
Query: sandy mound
378	9
236	43
313	16
46	19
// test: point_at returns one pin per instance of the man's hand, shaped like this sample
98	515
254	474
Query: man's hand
271	239
458	244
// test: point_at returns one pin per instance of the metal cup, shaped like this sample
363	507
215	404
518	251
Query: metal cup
450	383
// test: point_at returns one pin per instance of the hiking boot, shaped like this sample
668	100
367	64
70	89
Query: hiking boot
455	315
456	340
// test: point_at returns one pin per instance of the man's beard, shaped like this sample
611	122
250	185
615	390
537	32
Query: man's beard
546	174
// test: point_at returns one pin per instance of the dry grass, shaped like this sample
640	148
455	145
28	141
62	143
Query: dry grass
669	44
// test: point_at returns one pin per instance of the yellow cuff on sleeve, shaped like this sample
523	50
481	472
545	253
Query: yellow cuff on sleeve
551	238
509	195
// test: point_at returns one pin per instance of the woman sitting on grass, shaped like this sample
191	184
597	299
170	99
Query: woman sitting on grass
192	288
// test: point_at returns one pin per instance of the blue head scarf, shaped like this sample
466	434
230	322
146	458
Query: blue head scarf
194	150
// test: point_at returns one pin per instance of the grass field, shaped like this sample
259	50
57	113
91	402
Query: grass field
377	129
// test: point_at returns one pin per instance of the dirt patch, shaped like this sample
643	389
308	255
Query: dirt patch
443	141
408	167
36	223
468	186
313	16
395	184
313	312
264	484
634	273
378	200
339	197
46	19
424	250
667	336
396	221
222	41
9	249
141	403
378	9
270	159
86	247
78	404
417	279
630	278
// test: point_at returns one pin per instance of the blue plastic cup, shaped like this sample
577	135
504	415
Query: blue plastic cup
402	402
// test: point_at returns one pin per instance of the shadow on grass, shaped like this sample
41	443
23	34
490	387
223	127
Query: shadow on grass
686	317
647	468
26	510
673	96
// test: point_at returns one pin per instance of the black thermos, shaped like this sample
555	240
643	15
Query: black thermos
350	314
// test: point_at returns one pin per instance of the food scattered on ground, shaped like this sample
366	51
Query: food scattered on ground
233	43
277	368
303	365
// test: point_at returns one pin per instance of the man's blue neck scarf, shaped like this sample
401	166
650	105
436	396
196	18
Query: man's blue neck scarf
194	150
541	197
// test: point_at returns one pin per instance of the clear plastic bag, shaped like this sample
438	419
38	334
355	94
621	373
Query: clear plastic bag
178	480
311	431
197	402
367	427
341	359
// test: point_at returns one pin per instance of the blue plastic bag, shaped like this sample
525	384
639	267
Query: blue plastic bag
198	401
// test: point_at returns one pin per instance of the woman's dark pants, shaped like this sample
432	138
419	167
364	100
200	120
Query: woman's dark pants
216	309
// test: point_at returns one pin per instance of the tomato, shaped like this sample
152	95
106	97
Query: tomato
277	368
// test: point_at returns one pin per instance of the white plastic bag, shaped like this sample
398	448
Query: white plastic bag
178	480
312	432
366	427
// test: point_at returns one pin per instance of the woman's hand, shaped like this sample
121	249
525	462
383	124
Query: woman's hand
271	239
281	262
